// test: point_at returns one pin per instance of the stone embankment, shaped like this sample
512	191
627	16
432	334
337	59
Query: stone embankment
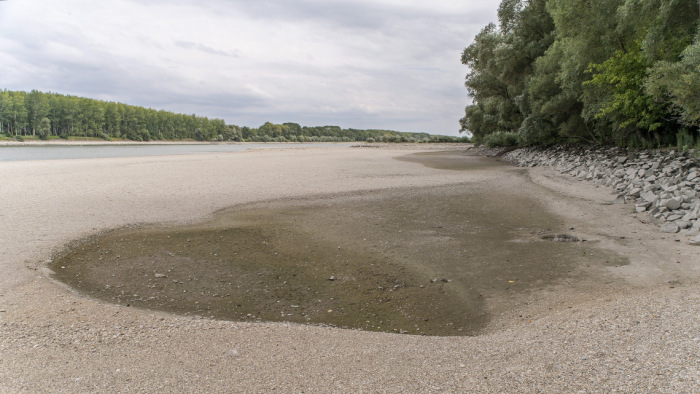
663	184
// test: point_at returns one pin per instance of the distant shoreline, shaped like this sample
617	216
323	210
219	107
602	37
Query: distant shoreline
61	142
33	142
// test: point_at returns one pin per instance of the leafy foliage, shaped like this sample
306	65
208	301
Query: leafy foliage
501	139
49	114
598	71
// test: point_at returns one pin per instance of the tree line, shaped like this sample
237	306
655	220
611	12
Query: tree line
623	72
51	115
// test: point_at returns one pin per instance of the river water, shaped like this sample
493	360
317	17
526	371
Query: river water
59	152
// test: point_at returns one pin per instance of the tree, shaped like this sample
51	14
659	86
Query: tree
598	71
501	62
678	84
44	128
37	108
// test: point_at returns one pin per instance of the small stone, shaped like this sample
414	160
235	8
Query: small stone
233	353
160	275
695	240
331	278
561	238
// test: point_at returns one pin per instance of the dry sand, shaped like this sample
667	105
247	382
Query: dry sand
639	330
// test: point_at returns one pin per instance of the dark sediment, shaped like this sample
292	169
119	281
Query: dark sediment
419	261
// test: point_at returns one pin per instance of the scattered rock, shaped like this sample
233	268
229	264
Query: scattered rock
663	184
160	276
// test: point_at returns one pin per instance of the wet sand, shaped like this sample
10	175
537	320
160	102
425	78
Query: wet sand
541	314
420	261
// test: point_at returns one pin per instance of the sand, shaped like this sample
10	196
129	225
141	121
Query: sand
636	329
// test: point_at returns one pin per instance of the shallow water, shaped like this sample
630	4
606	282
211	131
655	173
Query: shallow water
427	261
60	152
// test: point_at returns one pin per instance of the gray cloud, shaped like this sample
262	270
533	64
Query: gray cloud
363	64
206	49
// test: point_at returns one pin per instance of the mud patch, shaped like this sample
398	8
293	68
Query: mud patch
452	160
433	261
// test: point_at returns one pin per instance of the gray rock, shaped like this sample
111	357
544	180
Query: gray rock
682	224
670	228
672	203
650	197
695	240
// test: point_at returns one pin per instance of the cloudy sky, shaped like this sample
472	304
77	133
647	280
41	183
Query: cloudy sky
392	64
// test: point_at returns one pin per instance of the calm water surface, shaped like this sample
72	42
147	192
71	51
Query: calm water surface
59	152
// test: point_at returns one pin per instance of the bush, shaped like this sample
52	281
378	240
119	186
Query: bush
501	139
370	140
19	138
684	140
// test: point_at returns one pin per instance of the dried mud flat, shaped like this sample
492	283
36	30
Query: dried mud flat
433	243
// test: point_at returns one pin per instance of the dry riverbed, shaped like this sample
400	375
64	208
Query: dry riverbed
523	280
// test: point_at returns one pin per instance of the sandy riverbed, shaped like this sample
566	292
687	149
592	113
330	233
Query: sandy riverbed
633	327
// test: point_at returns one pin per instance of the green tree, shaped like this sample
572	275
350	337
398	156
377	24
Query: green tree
44	129
501	62
37	108
678	84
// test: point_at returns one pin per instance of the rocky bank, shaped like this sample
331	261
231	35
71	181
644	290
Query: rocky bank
663	184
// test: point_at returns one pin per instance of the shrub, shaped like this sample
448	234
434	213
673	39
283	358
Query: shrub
19	138
501	139
370	140
684	140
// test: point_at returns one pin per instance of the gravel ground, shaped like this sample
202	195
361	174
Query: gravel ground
639	331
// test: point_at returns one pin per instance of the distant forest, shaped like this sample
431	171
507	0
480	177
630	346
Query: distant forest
609	72
52	115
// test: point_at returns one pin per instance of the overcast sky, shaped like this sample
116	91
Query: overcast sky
392	64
